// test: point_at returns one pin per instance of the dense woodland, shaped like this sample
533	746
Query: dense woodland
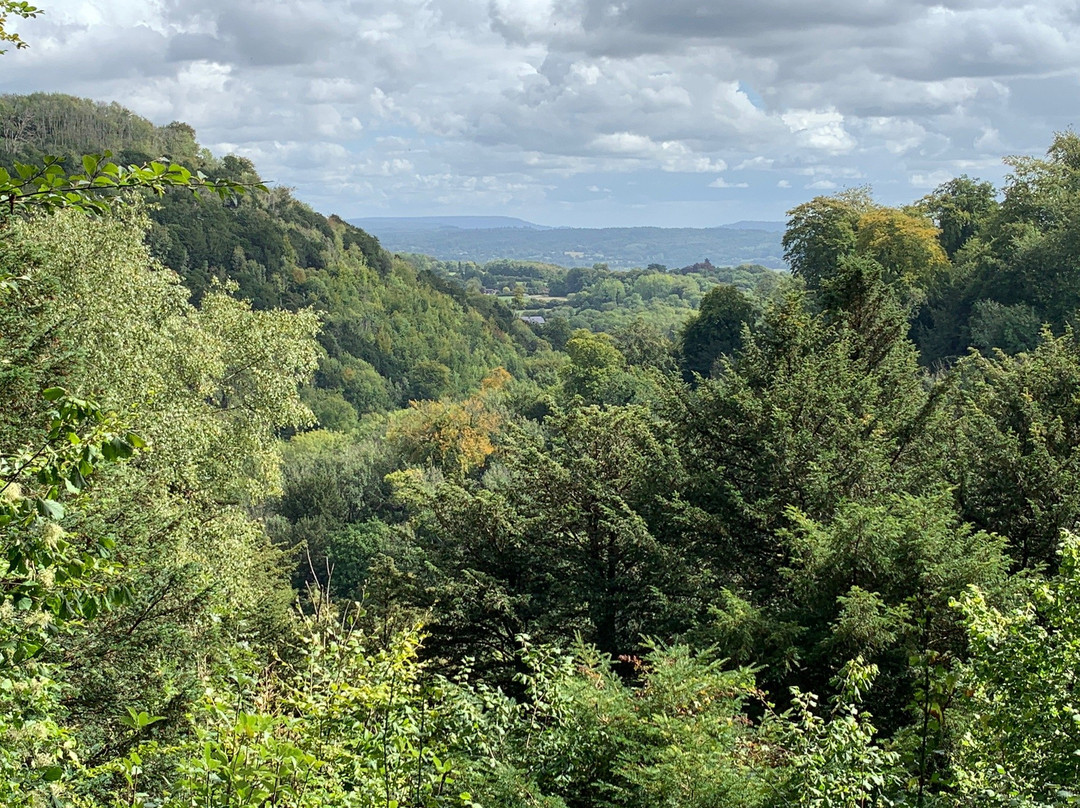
598	298
287	520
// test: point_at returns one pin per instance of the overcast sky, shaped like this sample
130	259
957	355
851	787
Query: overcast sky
579	112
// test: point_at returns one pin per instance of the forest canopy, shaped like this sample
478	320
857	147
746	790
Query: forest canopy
288	520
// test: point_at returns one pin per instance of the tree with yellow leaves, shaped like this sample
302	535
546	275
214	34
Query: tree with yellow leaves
457	436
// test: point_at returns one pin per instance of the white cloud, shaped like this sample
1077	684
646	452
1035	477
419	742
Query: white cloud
822	130
931	180
668	155
720	182
526	102
758	162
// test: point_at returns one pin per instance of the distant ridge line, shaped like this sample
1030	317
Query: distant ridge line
446	222
488	238
514	223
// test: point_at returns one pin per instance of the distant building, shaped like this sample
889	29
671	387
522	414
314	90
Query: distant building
533	319
487	291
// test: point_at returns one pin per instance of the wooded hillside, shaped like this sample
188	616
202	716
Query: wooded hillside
289	521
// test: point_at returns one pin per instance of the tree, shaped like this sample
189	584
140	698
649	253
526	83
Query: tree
822	231
905	244
716	331
875	582
207	389
455	436
644	346
428	380
595	372
1016	461
836	762
960	208
820	409
553	540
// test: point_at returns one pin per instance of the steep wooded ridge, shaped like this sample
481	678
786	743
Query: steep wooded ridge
286	520
390	333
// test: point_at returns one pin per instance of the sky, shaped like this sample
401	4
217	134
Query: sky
586	113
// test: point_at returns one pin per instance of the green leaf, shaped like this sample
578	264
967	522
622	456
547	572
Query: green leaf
50	509
121	447
53	393
52	774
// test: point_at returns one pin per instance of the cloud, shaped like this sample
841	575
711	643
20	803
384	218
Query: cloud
930	180
525	103
720	182
669	155
758	162
820	130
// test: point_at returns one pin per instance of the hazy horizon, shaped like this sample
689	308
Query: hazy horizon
577	112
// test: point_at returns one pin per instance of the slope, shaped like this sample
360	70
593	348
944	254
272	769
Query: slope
391	333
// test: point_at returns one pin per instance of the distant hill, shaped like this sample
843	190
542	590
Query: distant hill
407	223
618	247
754	224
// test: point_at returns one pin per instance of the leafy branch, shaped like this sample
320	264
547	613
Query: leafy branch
47	186
19	9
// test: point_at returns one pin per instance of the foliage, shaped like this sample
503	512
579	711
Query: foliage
47	187
1015	462
959	208
19	9
715	331
821	232
452	435
172	550
1020	736
594	371
904	243
343	722
550	542
583	737
781	483
815	409
836	762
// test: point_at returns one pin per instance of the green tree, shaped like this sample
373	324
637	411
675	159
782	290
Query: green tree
821	232
716	331
553	541
644	346
959	208
428	380
208	389
1015	457
836	762
595	372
